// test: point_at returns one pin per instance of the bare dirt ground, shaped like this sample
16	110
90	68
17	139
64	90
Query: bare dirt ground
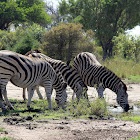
78	129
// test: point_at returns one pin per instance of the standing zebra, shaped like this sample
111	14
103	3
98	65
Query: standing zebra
27	72
69	74
94	74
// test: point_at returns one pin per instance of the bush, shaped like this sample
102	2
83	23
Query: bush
66	40
96	107
23	39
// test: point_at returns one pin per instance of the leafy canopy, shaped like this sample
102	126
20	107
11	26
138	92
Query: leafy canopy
18	11
105	17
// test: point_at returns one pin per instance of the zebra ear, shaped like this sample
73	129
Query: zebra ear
122	86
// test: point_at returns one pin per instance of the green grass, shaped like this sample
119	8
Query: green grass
96	109
138	138
137	104
5	131
5	138
2	130
124	69
134	78
82	109
135	119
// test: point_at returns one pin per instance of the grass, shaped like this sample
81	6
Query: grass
40	109
138	138
5	131
134	78
5	138
137	104
124	69
135	119
2	130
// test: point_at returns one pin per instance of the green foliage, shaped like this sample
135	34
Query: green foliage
7	40
19	11
127	47
105	17
23	39
97	107
65	40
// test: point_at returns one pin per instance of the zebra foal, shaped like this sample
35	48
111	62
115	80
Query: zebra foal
27	72
69	74
93	73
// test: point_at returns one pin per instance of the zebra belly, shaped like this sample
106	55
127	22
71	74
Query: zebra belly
17	81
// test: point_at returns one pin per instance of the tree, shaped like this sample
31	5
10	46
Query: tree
127	46
19	11
23	39
62	42
105	17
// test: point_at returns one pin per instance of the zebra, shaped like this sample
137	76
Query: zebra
69	74
27	72
94	74
37	87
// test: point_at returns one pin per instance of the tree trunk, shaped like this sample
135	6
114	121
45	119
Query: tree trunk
107	50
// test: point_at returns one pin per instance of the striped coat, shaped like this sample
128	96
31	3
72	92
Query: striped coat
94	74
27	72
69	74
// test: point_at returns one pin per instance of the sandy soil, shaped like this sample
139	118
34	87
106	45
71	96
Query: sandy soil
81	129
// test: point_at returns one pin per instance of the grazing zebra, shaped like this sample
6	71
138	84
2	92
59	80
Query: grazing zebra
69	74
93	73
37	87
27	72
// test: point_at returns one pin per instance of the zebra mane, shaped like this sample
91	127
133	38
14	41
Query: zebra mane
125	87
33	51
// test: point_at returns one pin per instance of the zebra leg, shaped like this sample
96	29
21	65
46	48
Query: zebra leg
24	94
30	95
73	96
6	99
100	90
38	92
48	91
1	102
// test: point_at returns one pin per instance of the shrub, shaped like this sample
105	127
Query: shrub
65	40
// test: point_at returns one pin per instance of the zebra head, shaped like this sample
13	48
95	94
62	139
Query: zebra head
61	97
122	96
81	91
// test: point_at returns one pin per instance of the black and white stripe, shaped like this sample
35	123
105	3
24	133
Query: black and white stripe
27	72
93	74
69	74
